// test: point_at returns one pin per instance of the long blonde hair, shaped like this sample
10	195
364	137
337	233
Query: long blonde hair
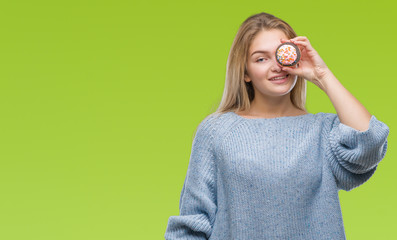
238	94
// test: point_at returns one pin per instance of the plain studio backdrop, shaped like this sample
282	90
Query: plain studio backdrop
99	102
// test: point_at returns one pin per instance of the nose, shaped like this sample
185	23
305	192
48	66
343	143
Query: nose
276	66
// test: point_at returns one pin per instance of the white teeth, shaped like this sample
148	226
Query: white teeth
278	78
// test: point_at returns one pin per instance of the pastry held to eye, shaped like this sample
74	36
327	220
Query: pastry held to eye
288	54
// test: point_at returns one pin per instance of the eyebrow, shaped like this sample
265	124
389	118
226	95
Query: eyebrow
260	51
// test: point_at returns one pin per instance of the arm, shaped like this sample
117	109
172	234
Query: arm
354	155
356	140
312	67
197	204
350	111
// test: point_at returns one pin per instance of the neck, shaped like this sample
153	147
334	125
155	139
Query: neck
269	106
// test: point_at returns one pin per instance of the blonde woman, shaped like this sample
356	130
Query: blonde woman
261	166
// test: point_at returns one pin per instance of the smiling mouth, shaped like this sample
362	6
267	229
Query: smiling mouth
279	78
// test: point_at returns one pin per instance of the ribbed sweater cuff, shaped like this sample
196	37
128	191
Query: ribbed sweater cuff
359	151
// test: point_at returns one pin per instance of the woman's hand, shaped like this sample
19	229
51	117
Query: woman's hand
310	66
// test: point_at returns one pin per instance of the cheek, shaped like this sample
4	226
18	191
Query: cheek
259	71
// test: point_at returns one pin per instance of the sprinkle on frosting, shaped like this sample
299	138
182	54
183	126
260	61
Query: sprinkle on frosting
286	54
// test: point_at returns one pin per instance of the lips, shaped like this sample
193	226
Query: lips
272	79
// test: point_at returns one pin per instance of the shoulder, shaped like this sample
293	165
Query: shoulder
325	121
325	117
215	119
214	123
207	125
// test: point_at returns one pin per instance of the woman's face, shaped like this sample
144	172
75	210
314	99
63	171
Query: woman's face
262	65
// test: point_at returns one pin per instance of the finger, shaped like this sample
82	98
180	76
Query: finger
304	44
284	40
290	70
301	38
300	42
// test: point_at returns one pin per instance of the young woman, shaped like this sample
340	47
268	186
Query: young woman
261	166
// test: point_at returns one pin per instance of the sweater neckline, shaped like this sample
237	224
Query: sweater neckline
270	119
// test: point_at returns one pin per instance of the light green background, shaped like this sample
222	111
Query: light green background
99	101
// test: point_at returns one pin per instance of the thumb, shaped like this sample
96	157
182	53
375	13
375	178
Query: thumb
290	70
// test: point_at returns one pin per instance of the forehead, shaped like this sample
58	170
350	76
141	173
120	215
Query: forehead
267	40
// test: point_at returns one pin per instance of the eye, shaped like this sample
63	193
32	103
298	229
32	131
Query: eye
260	59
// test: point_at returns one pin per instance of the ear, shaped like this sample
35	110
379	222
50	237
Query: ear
247	78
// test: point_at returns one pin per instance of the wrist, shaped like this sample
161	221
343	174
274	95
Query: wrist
323	74
326	77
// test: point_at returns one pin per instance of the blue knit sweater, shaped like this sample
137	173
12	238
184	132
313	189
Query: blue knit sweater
273	178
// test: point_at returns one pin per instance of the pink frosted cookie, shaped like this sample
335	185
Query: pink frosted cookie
288	54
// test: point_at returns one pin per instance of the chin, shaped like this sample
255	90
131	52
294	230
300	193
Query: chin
290	84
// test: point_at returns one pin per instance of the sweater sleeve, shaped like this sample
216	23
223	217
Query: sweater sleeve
354	155
197	205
